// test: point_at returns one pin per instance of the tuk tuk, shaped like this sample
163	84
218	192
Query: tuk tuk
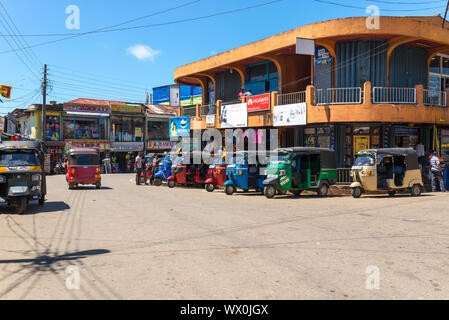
164	171
243	175
217	175
22	178
188	173
83	167
387	170
298	169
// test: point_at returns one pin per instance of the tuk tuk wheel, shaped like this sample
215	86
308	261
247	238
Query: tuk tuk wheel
171	184
269	192
356	192
392	193
20	205
71	186
416	190
323	190
98	186
282	192
157	182
230	190
297	193
210	187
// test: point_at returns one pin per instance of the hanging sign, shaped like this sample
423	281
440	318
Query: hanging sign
259	103
5	91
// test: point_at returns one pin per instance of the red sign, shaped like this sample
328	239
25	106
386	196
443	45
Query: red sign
5	91
259	103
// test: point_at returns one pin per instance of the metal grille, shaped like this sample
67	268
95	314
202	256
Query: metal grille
435	98
189	111
292	98
207	110
338	96
394	95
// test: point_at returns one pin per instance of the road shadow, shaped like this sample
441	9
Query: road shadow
34	208
91	188
386	196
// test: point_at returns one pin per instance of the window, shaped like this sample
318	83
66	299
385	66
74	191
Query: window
446	66
69	128
18	159
87	129
435	65
127	129
84	160
53	128
158	130
257	73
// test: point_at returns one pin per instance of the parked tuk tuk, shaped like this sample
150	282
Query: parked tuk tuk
243	175
188	173
83	168
164	171
299	169
388	170
217	175
22	178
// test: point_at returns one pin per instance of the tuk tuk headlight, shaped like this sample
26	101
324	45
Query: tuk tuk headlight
2	179
36	178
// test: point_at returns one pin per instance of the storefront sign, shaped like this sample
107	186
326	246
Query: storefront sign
160	145
322	56
95	144
361	143
210	121
138	132
126	109
290	115
86	108
234	115
5	91
405	132
127	146
259	103
180	127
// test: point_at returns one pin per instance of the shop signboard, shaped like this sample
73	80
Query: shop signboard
5	91
180	127
361	143
210	121
73	107
127	146
95	144
290	115
259	103
322	56
234	115
126	109
305	46
160	145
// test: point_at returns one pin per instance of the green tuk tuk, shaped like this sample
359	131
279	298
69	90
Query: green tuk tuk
298	169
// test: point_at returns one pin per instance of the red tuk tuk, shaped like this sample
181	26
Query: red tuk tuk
217	175
187	174
83	167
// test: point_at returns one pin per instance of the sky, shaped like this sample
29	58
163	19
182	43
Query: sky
122	65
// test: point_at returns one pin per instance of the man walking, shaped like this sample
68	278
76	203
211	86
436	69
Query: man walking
436	172
140	168
107	164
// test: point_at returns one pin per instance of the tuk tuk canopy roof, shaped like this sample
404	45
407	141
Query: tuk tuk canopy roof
327	156
391	151
16	145
79	151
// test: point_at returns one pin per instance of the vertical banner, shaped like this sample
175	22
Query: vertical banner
5	91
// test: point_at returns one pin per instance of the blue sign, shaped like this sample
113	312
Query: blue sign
322	56
180	127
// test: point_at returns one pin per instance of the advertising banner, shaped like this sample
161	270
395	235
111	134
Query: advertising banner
180	127
210	121
160	145
127	146
86	108
361	143
5	91
126	109
234	115
290	115
259	103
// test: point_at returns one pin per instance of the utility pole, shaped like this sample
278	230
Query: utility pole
44	105
445	15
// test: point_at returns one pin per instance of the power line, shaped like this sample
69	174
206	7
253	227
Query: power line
149	25
383	9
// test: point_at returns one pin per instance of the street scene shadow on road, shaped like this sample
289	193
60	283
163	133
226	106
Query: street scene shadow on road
51	206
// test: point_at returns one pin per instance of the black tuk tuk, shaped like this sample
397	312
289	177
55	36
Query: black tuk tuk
22	178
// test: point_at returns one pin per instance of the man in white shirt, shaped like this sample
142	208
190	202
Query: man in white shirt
140	168
437	173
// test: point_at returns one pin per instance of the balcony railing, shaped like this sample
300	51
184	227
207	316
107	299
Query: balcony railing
394	95
338	96
435	98
292	98
188	111
208	110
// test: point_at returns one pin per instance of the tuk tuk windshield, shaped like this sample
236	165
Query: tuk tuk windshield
280	158
365	160
18	158
84	160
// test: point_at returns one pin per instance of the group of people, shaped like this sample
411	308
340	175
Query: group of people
243	94
141	168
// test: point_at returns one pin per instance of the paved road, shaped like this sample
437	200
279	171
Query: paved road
146	242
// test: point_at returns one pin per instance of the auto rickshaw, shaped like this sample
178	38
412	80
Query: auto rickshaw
22	178
83	168
188	173
164	172
243	175
298	169
389	170
217	175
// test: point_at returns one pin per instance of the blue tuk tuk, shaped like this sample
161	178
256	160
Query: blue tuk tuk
243	175
164	171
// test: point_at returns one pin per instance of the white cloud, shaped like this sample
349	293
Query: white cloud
143	52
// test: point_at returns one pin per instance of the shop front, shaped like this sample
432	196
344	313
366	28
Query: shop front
53	138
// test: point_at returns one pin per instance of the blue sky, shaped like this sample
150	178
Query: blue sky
122	65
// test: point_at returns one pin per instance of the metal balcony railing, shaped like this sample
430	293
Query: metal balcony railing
338	96
188	111
292	98
394	95
435	98
208	110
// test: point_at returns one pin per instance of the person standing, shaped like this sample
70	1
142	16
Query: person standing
242	94
436	172
139	165
107	164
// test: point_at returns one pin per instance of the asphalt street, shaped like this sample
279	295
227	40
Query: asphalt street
145	242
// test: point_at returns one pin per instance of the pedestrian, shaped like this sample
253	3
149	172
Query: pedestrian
242	94
139	165
248	93
155	168
436	172
107	165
